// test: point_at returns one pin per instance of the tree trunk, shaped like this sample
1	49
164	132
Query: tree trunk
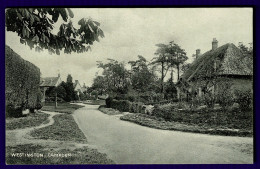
162	86
178	71
56	100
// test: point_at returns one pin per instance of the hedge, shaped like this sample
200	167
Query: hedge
22	80
126	106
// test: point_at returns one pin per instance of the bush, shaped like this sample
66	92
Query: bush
121	105
244	99
108	102
225	99
163	113
52	99
136	107
12	111
209	100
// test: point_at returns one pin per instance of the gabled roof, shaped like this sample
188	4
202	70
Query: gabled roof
225	60
49	81
76	83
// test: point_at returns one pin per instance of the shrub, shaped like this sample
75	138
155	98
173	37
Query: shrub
194	103
244	99
224	94
12	111
225	99
136	107
108	102
209	100
163	113
121	105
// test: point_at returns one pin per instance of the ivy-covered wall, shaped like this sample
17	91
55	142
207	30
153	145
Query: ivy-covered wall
22	80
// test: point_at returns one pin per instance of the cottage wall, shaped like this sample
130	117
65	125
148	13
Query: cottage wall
242	84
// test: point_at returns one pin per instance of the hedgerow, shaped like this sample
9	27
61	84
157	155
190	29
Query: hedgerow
22	80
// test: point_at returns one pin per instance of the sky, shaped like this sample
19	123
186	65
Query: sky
130	32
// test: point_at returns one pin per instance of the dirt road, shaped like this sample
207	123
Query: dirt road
129	143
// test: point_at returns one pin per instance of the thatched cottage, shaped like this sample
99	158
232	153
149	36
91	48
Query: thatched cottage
226	62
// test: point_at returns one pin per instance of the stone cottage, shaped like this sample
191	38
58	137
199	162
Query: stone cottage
226	62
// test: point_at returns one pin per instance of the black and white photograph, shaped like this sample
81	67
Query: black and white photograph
129	85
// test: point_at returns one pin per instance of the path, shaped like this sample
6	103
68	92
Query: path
129	143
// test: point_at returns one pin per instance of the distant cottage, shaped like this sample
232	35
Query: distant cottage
77	87
48	83
226	61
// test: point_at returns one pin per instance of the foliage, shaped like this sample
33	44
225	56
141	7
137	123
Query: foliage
53	99
108	102
176	56
244	99
162	61
94	93
232	118
68	86
141	76
169	56
209	99
160	123
121	105
116	77
225	95
170	90
34	27
60	90
246	50
22	82
137	107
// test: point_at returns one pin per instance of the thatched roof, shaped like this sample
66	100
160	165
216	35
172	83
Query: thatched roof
49	81
225	60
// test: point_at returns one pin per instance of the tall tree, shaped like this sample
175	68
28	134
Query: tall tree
69	89
116	76
34	27
141	76
177	56
162	61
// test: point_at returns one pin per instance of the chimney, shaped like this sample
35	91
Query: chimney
58	74
197	53
214	44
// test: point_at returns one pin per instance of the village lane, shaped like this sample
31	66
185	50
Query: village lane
129	143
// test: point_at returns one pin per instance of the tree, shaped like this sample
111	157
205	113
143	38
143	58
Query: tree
177	56
162	61
60	90
69	89
185	67
141	76
34	27
116	77
99	84
246	50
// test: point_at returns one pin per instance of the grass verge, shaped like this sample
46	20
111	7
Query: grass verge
61	108
37	154
160	123
32	120
64	129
